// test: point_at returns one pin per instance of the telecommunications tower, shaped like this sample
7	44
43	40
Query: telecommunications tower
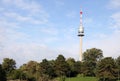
81	34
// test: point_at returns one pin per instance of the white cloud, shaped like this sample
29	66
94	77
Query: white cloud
49	31
59	2
21	18
17	45
32	12
23	53
114	4
25	5
1	9
116	21
6	24
5	28
71	14
109	44
88	21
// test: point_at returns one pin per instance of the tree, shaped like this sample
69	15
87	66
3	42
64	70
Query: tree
75	67
91	57
71	63
44	77
2	74
46	68
31	67
87	69
30	70
18	74
8	66
92	54
78	67
61	66
118	65
118	62
106	69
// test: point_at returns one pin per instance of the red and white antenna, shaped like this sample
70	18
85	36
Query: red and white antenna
81	29
81	17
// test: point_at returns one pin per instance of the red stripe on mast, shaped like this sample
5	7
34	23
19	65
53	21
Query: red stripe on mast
81	12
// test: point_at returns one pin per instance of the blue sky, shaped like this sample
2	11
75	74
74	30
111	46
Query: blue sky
38	29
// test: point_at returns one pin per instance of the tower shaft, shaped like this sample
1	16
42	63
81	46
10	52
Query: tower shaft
81	49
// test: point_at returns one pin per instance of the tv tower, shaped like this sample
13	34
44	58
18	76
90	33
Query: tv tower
81	34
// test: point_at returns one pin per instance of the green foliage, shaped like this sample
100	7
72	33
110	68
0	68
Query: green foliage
91	57
106	69
44	77
30	70
2	74
118	66
46	68
18	74
31	67
8	65
93	54
71	63
61	66
75	67
88	68
118	62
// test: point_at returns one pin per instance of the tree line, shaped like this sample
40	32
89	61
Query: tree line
93	64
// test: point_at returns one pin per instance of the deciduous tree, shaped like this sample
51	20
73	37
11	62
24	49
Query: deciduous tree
46	68
91	56
61	66
107	69
2	74
118	65
75	67
8	65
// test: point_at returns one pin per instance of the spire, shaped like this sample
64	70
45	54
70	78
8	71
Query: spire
81	29
81	17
